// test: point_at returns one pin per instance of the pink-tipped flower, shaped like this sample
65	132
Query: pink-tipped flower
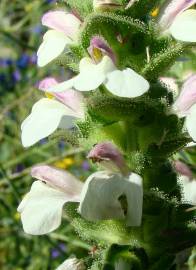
98	48
108	156
183	169
175	8
185	105
70	98
106	5
63	31
63	22
187	97
59	110
41	209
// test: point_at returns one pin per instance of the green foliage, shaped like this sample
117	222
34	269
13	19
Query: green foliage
83	8
163	60
140	9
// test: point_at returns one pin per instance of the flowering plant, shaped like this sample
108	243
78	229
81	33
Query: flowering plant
117	108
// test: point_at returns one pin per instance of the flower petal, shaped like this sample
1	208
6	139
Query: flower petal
189	189
70	98
99	198
174	8
101	193
191	144
183	168
53	45
63	22
126	83
57	178
134	194
92	75
42	210
72	264
108	155
187	96
184	26
73	100
190	122
47	83
63	86
44	119
99	47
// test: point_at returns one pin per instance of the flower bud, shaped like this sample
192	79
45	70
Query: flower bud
109	157
72	264
98	48
183	169
106	5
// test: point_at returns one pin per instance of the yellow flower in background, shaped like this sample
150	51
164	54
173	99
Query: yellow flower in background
64	163
29	7
155	12
17	216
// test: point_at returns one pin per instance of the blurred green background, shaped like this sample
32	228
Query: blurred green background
20	35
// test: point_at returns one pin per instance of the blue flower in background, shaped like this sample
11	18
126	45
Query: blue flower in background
23	61
37	29
5	62
56	252
50	1
33	59
16	76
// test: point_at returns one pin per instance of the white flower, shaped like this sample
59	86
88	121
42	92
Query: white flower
99	198
49	114
185	105
125	83
64	29
184	26
174	8
189	189
179	20
72	264
41	208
